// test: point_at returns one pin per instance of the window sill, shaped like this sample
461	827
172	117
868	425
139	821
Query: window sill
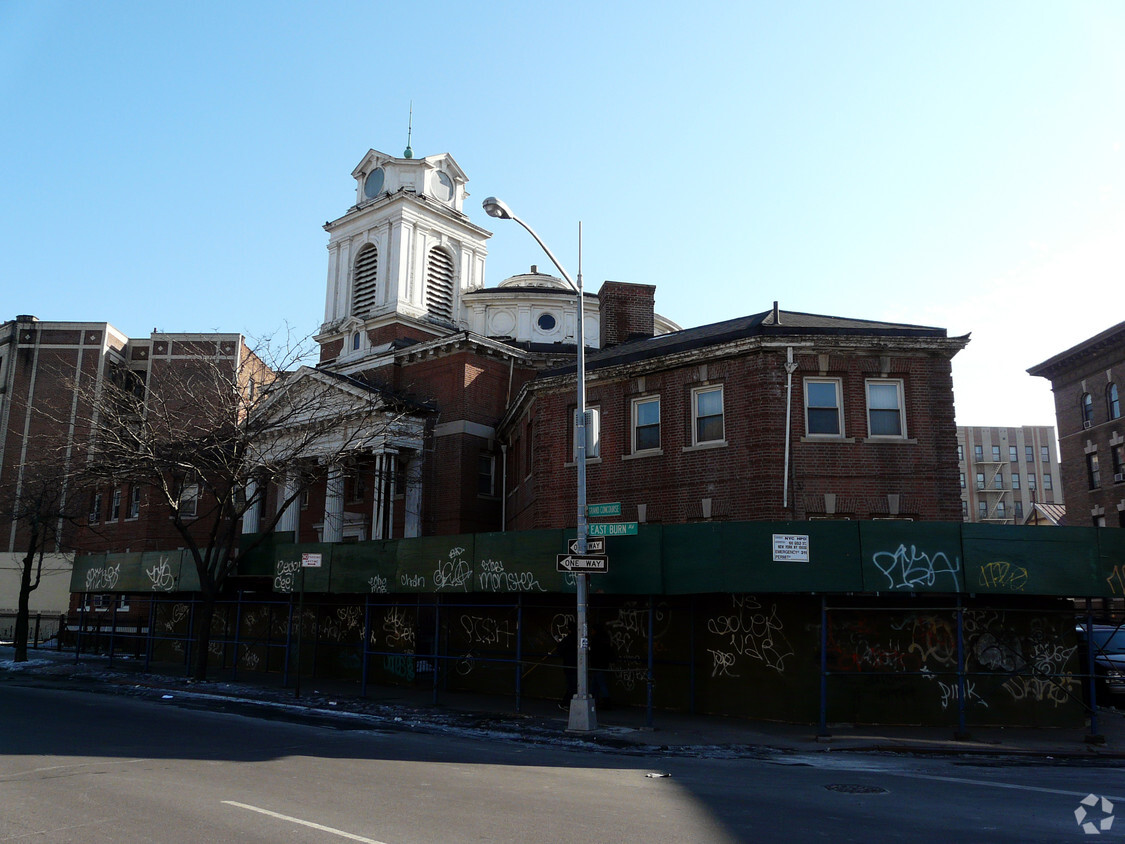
706	446
900	440
826	438
574	463
637	455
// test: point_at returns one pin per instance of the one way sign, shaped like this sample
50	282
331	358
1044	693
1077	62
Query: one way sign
598	564
594	545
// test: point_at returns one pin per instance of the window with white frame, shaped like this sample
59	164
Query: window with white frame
115	505
707	415
982	509
884	409
822	408
1018	507
593	433
646	424
1015	480
189	498
134	502
95	507
962	480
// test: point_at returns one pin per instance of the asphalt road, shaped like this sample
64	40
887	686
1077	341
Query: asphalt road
86	767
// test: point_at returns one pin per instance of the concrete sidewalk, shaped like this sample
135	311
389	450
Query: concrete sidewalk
621	730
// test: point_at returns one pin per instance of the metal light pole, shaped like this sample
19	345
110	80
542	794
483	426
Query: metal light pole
583	716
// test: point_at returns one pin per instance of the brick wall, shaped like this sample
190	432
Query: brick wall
743	479
626	311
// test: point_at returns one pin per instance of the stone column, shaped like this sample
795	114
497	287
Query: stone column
291	517
251	519
334	505
413	526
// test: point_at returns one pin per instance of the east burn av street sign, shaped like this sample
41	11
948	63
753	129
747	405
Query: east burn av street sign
589	563
612	529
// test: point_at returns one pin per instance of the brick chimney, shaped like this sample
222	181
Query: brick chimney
626	311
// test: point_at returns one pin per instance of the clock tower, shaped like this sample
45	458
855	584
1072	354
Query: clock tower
400	259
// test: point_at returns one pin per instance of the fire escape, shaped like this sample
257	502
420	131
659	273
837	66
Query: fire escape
991	491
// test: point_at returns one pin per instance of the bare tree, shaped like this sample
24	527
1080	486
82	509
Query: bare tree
41	511
218	427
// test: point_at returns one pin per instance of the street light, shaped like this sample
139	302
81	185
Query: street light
583	716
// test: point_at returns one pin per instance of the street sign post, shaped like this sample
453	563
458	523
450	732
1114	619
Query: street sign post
596	564
613	529
613	509
593	546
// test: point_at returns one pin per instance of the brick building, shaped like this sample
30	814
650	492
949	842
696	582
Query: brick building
778	415
1006	471
48	373
1087	381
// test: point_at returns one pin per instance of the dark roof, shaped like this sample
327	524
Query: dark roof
405	401
1106	339
788	324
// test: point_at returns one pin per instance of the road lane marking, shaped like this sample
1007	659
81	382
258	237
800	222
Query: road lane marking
309	824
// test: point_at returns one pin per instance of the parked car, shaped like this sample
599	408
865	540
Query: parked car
1109	657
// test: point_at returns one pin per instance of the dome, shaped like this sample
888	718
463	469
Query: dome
535	279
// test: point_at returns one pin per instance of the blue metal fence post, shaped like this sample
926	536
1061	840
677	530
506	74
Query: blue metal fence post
651	665
822	724
519	651
962	687
113	628
1094	737
437	638
151	631
288	642
363	646
81	625
691	655
237	637
190	635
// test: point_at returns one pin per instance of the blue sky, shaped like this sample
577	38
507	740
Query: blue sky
954	164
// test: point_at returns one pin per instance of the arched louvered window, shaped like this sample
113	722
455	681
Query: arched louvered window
363	281
439	283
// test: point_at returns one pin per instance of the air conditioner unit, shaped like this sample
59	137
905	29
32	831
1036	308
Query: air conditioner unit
1119	478
1087	424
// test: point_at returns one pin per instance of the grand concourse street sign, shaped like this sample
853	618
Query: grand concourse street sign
590	564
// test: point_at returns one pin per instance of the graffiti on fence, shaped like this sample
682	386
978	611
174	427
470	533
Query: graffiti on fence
378	585
453	573
484	630
412	581
400	665
1001	575
102	579
178	613
399	627
910	569
753	632
347	624
492	577
1116	580
161	576
286	575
